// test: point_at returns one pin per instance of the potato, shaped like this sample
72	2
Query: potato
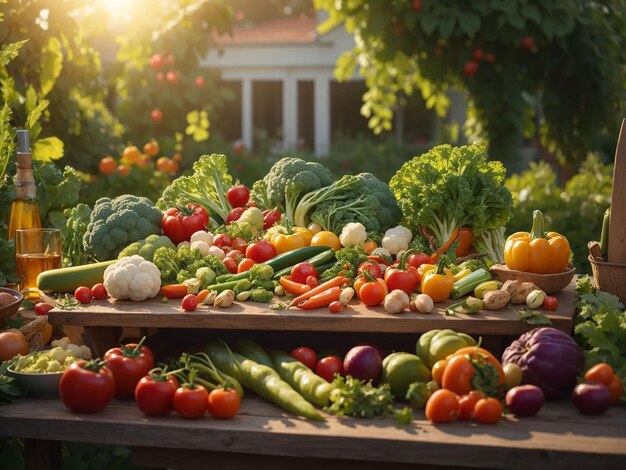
497	299
6	299
519	290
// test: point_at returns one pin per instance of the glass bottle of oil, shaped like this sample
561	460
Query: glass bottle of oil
24	210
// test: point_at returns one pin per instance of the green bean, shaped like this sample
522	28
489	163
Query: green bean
311	386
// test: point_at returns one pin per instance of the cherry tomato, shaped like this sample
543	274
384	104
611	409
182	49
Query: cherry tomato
128	364
237	255
616	388
230	263
371	267
417	259
87	387
235	214
83	294
238	195
306	356
189	303
221	240
245	265
154	394
270	217
550	303
335	306
260	251
239	244
602	373
312	281
372	293
224	404
328	366
191	403
301	271
443	406
437	370
180	223
467	404
42	308
512	375
99	292
488	410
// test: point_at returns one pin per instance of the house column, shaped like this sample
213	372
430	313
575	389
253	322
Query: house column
246	112
290	112
321	98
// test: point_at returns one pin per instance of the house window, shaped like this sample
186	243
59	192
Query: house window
227	121
267	110
306	113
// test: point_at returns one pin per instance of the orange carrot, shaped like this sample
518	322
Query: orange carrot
174	291
323	299
293	287
334	282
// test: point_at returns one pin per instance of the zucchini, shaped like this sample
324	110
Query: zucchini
281	261
323	258
66	280
253	351
324	267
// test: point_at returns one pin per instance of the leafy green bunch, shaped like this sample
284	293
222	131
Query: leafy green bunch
179	265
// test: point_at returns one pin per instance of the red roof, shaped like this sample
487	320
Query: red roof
276	31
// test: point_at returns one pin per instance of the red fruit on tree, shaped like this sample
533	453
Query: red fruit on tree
156	115
527	42
490	58
156	61
438	51
478	55
199	81
470	68
170	59
172	77
159	76
417	5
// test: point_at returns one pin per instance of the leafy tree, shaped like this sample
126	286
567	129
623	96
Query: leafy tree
552	70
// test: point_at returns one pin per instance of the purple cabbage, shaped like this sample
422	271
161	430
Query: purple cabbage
549	359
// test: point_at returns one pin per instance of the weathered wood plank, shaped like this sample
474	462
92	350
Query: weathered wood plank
558	437
357	318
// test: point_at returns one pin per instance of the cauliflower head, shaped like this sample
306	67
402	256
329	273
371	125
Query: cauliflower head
132	278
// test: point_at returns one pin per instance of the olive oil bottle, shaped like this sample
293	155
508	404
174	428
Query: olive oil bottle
24	210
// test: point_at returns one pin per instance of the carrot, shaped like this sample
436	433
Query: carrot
323	299
174	291
463	235
202	295
334	282
293	287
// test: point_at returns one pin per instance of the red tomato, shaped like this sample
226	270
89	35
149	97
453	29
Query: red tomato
154	394
550	303
371	267
260	251
87	387
335	306
527	42
488	410
467	403
301	271
42	308
478	55
222	240
602	373
240	244
470	68
328	366
237	255
83	294
180	223
238	195
406	279
224	404
245	265
306	356
417	259
616	388
443	406
191	403
99	292
458	374
189	303
270	217
372	293
230	263
235	214
129	364
312	281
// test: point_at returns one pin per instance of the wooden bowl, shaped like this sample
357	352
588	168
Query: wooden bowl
549	283
12	308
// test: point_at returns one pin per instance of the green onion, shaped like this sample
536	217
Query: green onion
468	283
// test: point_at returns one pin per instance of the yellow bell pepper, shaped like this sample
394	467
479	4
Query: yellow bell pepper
437	283
538	251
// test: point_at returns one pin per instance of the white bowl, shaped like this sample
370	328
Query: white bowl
38	385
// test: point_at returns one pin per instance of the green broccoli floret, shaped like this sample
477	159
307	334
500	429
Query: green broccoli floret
206	186
239	230
116	223
242	286
166	260
473	264
261	272
146	247
290	178
259	195
261	295
212	262
183	275
420	245
348	259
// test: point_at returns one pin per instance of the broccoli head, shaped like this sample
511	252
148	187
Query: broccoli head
146	247
261	295
116	223
290	178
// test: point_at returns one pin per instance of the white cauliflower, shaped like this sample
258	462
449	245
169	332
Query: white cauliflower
397	239
132	277
201	235
353	234
201	246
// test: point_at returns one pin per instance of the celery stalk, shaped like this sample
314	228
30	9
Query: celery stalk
468	283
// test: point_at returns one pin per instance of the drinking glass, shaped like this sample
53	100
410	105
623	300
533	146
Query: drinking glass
36	250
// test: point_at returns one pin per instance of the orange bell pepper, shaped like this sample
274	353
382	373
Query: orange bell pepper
538	251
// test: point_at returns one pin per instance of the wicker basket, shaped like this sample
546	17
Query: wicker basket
33	329
609	277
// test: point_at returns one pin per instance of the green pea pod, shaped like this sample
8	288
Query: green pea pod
253	351
224	361
311	386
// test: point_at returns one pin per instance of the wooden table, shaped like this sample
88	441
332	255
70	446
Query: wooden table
267	438
357	321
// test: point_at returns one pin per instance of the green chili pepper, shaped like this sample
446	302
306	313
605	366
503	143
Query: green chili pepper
253	351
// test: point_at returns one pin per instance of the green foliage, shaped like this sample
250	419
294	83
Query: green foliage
73	223
146	247
552	70
575	210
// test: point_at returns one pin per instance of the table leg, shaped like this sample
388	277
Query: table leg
100	339
42	454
